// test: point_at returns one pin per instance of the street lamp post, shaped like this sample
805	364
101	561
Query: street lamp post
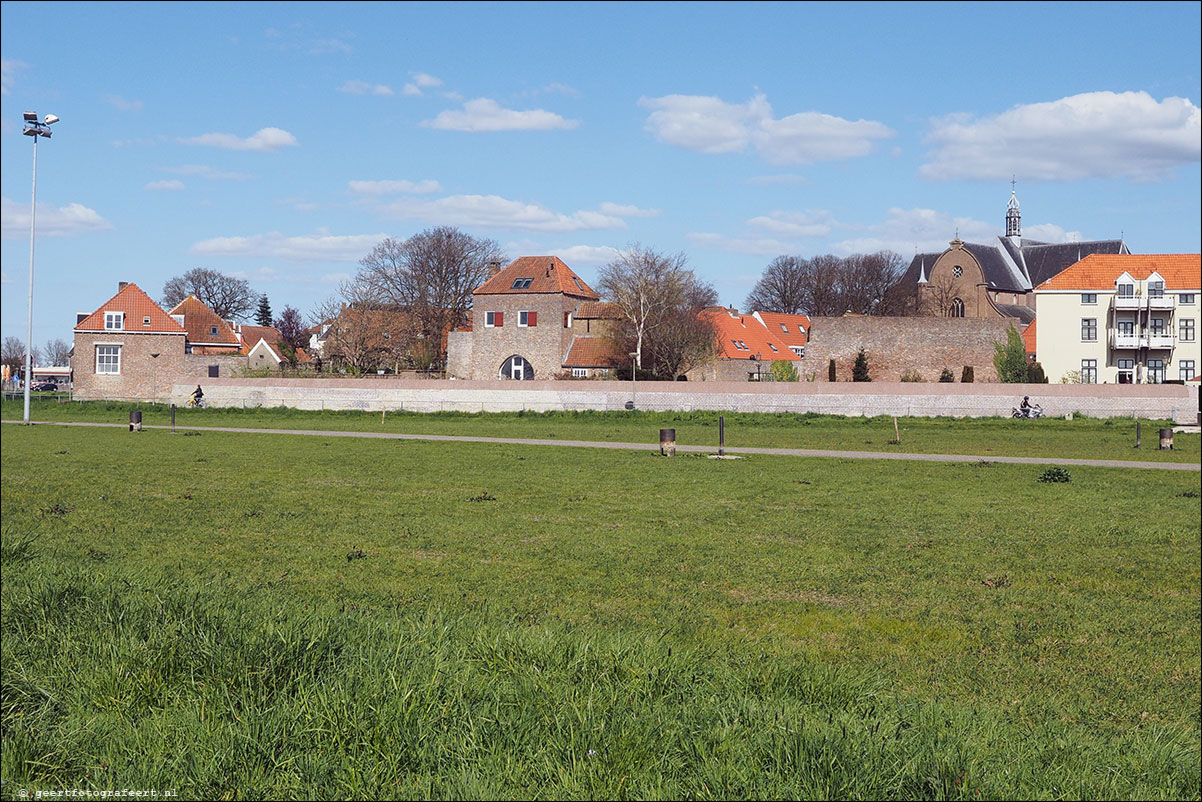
633	375
34	129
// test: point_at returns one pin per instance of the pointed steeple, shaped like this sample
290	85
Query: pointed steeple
922	270
1013	216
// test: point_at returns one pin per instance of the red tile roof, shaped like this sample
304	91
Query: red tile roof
744	337
1029	337
199	321
597	310
592	351
797	327
137	306
252	334
1180	271
547	274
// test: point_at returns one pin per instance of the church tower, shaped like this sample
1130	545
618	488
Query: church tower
1013	216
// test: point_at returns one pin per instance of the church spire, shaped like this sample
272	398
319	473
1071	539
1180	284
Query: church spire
1013	216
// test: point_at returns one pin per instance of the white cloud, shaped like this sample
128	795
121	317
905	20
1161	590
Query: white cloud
66	221
320	247
496	212
756	246
815	223
173	184
1050	232
8	73
365	88
483	114
424	187
711	125
905	230
264	140
420	81
620	210
118	102
204	171
1091	135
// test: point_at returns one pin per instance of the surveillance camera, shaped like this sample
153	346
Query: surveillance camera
51	119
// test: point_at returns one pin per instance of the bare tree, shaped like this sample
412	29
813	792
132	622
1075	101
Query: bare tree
781	288
57	353
364	335
431	274
940	297
644	285
229	298
291	327
12	353
829	285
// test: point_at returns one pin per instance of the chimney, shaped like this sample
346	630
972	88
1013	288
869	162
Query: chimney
494	267
80	317
122	285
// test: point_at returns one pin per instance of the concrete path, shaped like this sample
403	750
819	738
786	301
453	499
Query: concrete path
788	452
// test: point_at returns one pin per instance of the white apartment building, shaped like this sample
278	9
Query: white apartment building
1122	319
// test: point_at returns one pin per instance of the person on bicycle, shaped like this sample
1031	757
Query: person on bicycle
197	395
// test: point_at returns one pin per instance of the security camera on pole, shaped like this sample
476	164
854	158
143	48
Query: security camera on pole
34	129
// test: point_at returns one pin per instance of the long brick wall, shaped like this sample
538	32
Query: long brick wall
1176	402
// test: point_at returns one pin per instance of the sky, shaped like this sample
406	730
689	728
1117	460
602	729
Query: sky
280	142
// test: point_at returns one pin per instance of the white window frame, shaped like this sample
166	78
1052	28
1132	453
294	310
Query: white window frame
1187	299
579	373
490	320
1157	372
114	321
1186	330
1089	325
1186	370
115	362
1089	298
523	319
1125	289
1089	371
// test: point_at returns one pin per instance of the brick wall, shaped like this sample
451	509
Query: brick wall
142	376
895	345
480	353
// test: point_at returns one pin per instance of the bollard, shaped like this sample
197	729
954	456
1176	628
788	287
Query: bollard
135	420
173	418
721	436
1138	439
1166	439
667	442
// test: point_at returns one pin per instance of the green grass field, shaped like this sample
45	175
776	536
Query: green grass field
1081	438
252	616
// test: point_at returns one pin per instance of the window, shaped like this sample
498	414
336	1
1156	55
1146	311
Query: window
1157	326
784	328
213	330
773	347
494	320
1155	371
517	368
1155	289
800	330
1127	327
521	283
735	343
527	318
579	373
1089	297
798	349
957	271
957	308
108	359
1089	371
146	320
743	346
1089	329
1186	298
567	320
214	371
1126	370
578	284
114	320
1185	371
1186	330
1126	290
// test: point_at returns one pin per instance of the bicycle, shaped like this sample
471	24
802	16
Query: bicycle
198	403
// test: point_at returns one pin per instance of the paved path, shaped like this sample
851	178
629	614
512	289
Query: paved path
788	452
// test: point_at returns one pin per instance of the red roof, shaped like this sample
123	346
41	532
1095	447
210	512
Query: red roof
141	313
744	337
1180	271
597	310
789	329
200	322
591	351
546	274
1029	337
252	334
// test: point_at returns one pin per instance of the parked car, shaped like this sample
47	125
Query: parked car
44	387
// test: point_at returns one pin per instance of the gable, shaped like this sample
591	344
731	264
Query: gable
141	313
537	275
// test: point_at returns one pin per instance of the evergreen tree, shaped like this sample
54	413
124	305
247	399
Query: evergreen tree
859	371
263	315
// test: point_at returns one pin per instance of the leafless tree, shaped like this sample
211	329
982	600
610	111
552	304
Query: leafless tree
431	274
829	285
12	353
644	285
781	288
940	296
57	353
230	298
364	335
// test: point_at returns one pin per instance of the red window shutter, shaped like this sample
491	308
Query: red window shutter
533	317
499	318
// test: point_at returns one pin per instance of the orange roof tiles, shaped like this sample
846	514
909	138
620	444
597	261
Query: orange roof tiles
546	274
1029	337
141	313
590	351
597	310
791	334
744	337
203	324
252	334
1180	271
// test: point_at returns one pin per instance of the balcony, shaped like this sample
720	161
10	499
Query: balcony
1130	302
1162	301
1158	339
1124	340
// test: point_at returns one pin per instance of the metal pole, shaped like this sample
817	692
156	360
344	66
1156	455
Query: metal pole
33	211
721	436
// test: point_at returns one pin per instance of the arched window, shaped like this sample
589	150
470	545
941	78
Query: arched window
517	368
957	309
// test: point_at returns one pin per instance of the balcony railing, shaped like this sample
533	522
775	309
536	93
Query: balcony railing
1159	340
1146	302
1130	302
1162	301
1124	340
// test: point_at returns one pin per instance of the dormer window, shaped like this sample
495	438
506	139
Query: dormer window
521	283
1126	290
1155	289
213	330
784	327
114	321
146	320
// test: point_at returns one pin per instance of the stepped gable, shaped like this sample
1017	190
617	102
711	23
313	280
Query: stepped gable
531	275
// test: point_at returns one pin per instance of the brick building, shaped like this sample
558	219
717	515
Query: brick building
131	349
535	319
747	345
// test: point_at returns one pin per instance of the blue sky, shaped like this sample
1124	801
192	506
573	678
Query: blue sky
279	142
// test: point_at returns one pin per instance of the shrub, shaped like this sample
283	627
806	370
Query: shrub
1011	359
783	371
1071	377
912	375
859	371
947	376
1055	475
1035	374
967	375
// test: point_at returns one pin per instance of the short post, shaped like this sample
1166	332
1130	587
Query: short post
135	420
896	431
1166	439
173	418
1137	437
667	442
721	436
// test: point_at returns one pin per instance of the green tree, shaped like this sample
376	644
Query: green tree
859	371
783	371
947	376
263	315
1011	359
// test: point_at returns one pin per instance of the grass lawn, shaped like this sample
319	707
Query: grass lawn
252	616
1081	438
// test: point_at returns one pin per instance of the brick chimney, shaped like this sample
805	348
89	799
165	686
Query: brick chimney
494	267
122	285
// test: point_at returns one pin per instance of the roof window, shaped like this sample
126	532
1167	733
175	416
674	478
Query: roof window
521	283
